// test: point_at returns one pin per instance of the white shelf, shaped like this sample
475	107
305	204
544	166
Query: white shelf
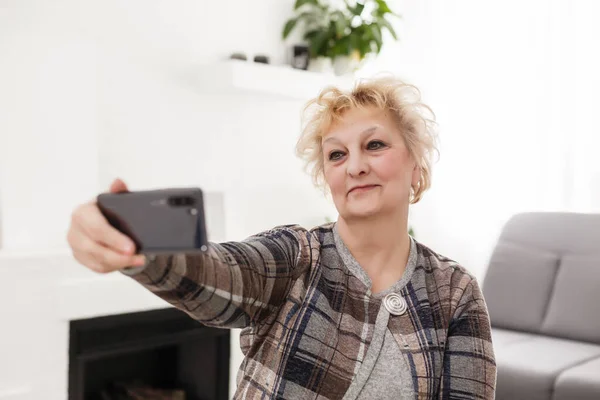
103	295
233	77
15	393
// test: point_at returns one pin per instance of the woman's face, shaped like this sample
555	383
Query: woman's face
367	165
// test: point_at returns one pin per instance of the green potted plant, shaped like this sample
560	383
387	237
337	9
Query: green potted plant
342	36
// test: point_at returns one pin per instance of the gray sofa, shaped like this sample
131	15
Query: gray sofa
542	289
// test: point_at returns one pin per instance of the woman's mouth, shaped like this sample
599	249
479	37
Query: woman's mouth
361	189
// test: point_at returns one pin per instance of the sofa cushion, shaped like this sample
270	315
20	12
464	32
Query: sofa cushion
528	369
573	309
518	285
503	337
579	383
557	232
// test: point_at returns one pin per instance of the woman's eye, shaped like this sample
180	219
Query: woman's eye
335	155
375	145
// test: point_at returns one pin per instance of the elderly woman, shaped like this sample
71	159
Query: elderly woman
355	309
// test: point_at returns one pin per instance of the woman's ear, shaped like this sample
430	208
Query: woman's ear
416	176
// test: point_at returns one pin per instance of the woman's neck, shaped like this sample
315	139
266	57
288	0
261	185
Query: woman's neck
380	244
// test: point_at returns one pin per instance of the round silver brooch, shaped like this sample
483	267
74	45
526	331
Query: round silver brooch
395	304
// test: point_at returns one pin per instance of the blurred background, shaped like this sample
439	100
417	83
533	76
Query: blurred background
143	90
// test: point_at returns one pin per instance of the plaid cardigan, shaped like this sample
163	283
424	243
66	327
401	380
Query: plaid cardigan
307	319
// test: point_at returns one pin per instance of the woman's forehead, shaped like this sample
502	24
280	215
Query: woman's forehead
357	123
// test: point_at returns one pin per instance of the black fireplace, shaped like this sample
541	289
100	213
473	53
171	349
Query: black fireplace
159	354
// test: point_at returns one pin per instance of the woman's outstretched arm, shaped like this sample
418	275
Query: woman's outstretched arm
233	284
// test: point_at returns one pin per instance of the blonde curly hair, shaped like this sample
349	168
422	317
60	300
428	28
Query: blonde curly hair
415	120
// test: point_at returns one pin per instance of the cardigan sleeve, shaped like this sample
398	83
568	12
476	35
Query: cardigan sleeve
469	366
232	284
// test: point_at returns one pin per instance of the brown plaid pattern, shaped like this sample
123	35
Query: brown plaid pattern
308	321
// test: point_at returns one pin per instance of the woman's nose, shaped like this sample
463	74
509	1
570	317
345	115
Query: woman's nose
357	165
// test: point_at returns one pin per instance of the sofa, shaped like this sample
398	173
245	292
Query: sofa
542	289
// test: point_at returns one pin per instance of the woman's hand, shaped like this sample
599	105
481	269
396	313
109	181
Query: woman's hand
95	243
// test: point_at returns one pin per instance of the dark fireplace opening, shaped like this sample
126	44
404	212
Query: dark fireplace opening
152	355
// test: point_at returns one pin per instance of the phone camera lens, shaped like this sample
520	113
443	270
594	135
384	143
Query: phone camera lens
181	201
188	201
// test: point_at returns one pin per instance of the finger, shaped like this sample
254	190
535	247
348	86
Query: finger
118	186
96	266
89	221
103	259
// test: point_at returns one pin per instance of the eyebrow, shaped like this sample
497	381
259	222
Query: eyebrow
366	132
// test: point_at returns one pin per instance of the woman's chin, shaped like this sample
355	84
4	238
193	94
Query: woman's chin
365	211
369	210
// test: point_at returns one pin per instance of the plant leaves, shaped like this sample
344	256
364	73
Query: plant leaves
310	18
385	23
358	9
289	26
365	48
310	35
382	7
317	44
341	23
341	47
376	34
354	42
300	3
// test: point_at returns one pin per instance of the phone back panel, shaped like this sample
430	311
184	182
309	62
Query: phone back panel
152	220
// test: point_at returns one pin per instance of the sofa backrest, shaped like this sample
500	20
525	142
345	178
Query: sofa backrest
544	275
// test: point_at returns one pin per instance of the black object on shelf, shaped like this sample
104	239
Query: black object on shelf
238	56
300	57
259	58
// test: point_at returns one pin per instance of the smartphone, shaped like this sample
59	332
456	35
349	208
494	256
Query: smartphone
159	221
